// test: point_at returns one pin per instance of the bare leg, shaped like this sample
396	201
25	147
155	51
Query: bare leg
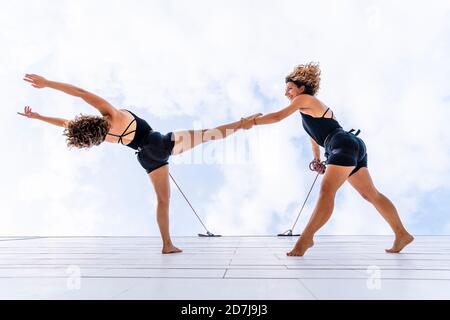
186	140
333	179
160	181
363	183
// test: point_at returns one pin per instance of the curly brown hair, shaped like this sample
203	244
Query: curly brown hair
307	75
86	131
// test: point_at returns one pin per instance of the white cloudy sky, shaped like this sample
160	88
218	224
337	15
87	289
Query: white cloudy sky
195	64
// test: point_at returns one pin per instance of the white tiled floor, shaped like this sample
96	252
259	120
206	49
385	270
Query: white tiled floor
338	267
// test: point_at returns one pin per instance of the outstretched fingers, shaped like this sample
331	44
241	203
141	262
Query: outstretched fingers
29	77
27	112
35	80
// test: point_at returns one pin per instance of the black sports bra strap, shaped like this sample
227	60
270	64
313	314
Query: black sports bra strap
128	133
134	119
123	134
112	134
325	113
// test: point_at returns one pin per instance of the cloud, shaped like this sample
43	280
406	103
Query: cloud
201	64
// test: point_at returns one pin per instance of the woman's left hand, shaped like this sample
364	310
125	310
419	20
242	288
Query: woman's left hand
36	80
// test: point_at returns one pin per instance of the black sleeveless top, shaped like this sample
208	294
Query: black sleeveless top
142	130
319	128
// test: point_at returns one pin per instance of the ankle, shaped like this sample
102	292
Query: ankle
306	238
401	233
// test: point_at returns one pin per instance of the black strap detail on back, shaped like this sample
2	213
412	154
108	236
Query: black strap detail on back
357	132
123	134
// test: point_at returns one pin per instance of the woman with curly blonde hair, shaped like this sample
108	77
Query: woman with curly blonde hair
123	126
345	153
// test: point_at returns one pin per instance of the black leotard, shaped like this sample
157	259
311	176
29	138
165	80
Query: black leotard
342	148
153	148
142	130
319	128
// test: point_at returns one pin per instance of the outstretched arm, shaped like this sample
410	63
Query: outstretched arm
105	108
274	117
27	112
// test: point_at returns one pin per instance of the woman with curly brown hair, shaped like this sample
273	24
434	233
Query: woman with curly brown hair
123	126
345	153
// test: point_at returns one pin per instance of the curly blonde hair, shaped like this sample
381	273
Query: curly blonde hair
307	75
86	131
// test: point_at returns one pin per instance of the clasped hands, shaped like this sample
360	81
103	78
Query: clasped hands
248	122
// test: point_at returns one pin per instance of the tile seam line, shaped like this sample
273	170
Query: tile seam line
307	289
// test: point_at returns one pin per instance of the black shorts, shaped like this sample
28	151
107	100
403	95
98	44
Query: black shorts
346	149
155	150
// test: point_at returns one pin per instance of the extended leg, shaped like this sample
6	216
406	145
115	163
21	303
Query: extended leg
363	183
186	140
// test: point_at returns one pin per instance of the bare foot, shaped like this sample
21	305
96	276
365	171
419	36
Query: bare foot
400	242
170	249
300	247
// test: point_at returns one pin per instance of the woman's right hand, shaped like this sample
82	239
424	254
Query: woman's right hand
36	80
27	112
318	166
